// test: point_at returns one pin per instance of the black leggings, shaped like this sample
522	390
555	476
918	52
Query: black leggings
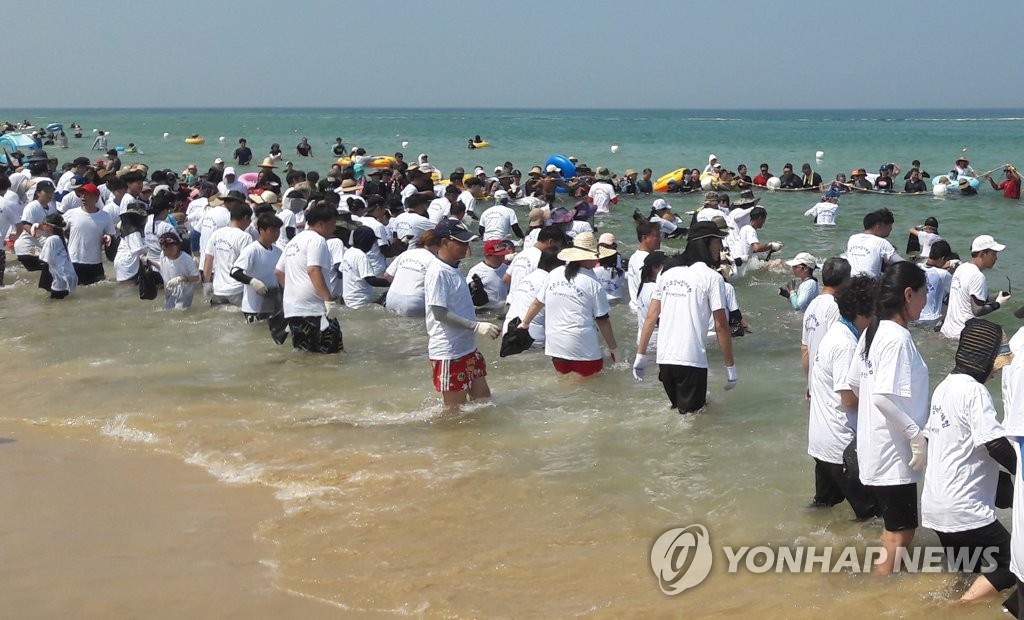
976	541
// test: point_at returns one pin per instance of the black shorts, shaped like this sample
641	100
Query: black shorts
686	386
992	535
89	274
255	317
307	335
832	485
898	505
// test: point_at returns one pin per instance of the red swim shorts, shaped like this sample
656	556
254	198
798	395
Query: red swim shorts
457	375
581	367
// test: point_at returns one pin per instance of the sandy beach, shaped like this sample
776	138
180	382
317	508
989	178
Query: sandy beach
91	529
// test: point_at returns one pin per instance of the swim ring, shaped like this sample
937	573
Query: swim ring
952	185
344	161
562	163
481	145
677	176
195	140
381	161
249	178
54	127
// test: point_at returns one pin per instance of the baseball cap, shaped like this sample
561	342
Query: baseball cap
89	188
77	182
986	242
498	247
660	205
803	258
552	168
450	229
80	161
218	161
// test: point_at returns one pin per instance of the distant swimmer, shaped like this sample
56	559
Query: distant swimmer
304	148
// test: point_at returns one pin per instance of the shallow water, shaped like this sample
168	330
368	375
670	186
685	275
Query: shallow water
545	500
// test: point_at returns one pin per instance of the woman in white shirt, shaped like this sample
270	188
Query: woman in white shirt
653	264
406	296
966	446
576	309
890	379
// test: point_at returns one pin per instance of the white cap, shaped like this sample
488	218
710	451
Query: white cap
661	205
498	168
229	170
218	161
803	258
986	242
479	170
552	168
712	157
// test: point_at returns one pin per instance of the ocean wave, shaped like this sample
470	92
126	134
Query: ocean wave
118	428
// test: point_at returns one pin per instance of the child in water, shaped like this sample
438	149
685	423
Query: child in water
58	276
179	273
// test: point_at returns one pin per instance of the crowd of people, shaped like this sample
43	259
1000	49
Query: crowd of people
283	251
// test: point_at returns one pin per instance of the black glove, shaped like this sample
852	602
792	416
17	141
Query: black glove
783	292
477	291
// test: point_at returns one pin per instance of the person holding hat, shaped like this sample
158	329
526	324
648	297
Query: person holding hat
824	212
803	288
602	192
489	274
575	310
225	246
58	276
459	370
178	272
243	154
687	296
1011	186
966	449
968	291
90	229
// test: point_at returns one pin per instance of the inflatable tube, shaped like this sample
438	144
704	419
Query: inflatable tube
54	127
481	145
119	149
344	161
381	161
198	140
676	176
953	185
567	167
249	178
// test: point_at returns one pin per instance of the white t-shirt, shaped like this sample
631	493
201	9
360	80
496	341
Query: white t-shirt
355	267
601	195
1013	422
68	202
10	212
406	296
521	298
894	367
747	238
307	249
633	268
824	213
498	222
926	240
126	261
27	245
214	218
522	265
821	313
333	275
438	209
868	253
446	288
85	235
55	255
377	260
570	332
493	284
960	480
831	427
224	187
411	225
731	305
612	281
287	221
643	304
689	296
226	245
257	262
194	213
939	281
466	197
578	227
181	297
968	281
34	213
152	239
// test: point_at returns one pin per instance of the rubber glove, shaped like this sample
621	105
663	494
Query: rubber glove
731	378
208	288
259	286
918	452
775	246
640	366
1002	297
490	330
175	282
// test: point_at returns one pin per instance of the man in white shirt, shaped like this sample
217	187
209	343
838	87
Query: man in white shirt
870	252
89	231
460	371
602	192
499	222
824	212
968	291
550	237
822	312
301	273
255	267
231	183
926	234
226	245
749	243
78	169
649	236
939	273
411	225
439	208
490	273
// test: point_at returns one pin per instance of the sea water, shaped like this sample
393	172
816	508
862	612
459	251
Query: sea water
545	500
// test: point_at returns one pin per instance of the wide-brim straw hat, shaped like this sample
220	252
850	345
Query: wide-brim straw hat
584	247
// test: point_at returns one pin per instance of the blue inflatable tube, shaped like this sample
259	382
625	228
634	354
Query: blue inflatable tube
54	127
562	163
952	185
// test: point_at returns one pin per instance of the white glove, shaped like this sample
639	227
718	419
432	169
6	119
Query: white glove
175	282
1002	297
918	452
208	289
261	288
730	377
640	366
775	246
487	329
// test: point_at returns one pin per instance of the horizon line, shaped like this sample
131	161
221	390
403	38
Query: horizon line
528	109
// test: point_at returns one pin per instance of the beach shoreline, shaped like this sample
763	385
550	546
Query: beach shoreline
92	529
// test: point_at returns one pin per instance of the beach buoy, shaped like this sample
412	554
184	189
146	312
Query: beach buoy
774	183
819	154
615	148
166	135
94	130
939	189
222	139
405	144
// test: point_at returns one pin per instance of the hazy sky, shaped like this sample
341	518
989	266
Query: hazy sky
520	54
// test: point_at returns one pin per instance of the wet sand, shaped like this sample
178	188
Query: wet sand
91	529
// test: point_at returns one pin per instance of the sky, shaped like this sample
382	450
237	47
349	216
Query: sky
738	54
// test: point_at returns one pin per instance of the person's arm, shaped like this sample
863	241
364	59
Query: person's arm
1002	452
805	358
890	408
534	309
208	268
604	325
981	308
378	281
517	230
316	277
812	212
279	275
441	315
991	182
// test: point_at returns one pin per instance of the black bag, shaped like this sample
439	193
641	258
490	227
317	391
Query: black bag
850	466
515	340
111	249
477	291
149	282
